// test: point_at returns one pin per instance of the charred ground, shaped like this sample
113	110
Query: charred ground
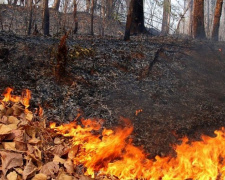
178	84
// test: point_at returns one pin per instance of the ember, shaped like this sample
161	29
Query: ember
105	152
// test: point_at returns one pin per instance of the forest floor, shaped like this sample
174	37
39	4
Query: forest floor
167	87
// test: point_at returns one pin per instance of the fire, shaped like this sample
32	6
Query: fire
112	152
24	99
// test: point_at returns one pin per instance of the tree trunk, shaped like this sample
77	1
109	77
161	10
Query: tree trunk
30	17
88	3
75	17
198	21
129	21
190	30
166	17
92	17
216	22
56	5
15	2
109	9
46	18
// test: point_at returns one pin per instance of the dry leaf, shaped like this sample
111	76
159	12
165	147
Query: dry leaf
29	116
18	108
9	146
69	166
13	120
40	176
64	176
50	169
34	152
18	170
4	129
58	150
9	112
29	170
12	126
12	176
4	120
57	141
10	160
82	177
59	160
34	141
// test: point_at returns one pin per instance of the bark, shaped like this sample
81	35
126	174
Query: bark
166	17
190	31
198	21
129	21
75	16
56	5
137	25
30	17
216	22
92	17
88	4
15	2
109	9
46	18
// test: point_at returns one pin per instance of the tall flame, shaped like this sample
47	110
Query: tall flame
112	152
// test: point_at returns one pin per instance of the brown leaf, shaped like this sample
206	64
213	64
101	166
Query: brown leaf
69	166
34	152
34	141
10	160
58	150
4	120
50	169
17	108
57	141
4	129
9	146
64	176
29	116
40	176
12	176
82	177
59	160
29	170
13	120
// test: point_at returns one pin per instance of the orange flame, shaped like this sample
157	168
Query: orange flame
25	99
111	152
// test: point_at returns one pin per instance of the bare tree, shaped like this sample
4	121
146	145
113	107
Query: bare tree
216	22
88	4
30	17
45	23
92	16
56	5
109	9
166	17
198	20
129	21
75	16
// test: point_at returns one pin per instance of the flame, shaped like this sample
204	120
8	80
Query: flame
111	152
138	111
24	99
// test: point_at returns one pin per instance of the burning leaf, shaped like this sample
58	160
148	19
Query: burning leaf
12	176
72	153
40	176
50	169
10	160
29	170
69	166
9	146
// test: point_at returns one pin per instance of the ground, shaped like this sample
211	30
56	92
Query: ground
167	87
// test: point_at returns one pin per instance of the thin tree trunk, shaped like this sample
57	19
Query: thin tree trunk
216	22
198	21
30	17
92	17
88	3
75	17
190	31
129	21
15	2
46	18
109	9
56	5
166	17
